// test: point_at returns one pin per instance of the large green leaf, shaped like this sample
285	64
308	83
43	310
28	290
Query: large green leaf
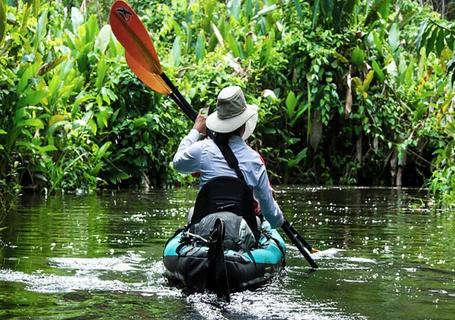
234	46
34	122
327	8
103	38
234	8
315	13
2	20
176	51
91	28
419	39
431	39
45	149
422	63
41	28
439	43
267	48
378	71
102	151
248	8
265	11
249	45
77	18
394	37
379	9
451	69
20	114
32	98
409	73
218	35
300	156
188	34
25	16
53	126
298	8
102	117
100	73
358	56
200	46
291	103
91	124
25	77
302	108
368	79
139	122
36	7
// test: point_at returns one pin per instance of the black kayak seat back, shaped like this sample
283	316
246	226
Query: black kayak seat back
225	193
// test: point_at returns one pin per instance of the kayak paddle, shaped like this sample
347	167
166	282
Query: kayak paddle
141	55
143	60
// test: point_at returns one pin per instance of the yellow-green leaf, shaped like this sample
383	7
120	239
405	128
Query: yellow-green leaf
378	71
56	118
2	20
218	35
92	125
368	79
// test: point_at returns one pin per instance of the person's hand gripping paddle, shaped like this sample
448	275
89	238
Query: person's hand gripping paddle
143	60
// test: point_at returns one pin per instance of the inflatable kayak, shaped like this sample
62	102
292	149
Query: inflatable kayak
225	247
190	263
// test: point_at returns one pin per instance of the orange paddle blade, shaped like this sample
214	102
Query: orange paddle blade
131	33
152	80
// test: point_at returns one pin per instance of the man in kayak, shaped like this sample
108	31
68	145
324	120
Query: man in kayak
232	123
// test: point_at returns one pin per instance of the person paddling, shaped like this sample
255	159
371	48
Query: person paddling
232	123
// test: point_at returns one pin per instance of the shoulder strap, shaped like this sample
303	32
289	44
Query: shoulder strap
231	159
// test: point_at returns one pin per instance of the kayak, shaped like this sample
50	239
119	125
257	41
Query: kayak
188	261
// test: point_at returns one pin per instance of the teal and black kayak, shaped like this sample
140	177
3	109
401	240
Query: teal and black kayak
190	263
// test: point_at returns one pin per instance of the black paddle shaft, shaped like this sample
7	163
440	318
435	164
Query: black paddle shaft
299	242
292	229
292	234
181	101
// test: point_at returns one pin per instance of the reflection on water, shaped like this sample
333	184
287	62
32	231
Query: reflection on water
383	256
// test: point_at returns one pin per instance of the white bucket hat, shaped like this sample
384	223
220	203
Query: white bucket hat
232	112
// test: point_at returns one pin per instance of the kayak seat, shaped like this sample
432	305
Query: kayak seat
229	194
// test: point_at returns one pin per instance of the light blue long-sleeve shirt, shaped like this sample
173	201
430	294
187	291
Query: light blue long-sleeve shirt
205	157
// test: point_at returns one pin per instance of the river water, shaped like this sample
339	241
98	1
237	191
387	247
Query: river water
383	255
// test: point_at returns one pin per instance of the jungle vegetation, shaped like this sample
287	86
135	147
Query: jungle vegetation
350	92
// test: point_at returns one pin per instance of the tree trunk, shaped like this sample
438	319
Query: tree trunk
393	167
358	148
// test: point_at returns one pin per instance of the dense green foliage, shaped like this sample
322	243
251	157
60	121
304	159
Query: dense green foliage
349	92
73	116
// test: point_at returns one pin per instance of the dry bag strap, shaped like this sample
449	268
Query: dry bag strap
231	159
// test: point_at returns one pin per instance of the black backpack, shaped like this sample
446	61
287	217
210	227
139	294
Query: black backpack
226	193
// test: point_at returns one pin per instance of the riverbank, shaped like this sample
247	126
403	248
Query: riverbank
353	95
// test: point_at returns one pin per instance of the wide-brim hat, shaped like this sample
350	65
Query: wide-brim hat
232	112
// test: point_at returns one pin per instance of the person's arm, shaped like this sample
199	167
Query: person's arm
263	193
187	157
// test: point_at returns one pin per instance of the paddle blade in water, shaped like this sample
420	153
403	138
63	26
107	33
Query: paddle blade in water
131	33
152	80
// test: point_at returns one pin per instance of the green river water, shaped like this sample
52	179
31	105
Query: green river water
383	256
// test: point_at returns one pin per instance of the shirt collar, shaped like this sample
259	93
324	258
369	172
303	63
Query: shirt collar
235	139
